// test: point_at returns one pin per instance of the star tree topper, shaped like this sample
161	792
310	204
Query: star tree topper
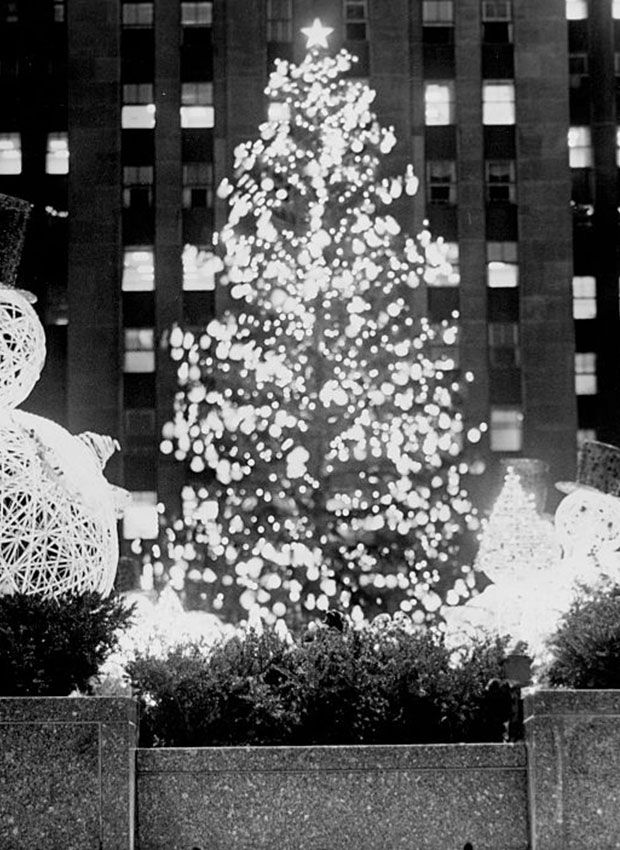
317	34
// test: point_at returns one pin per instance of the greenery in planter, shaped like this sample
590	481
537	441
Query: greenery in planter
52	646
586	646
382	684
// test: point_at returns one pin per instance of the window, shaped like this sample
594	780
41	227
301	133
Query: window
441	181
584	297
140	517
585	435
439	103
585	373
10	153
196	14
497	21
579	147
498	102
197	185
139	350
137	186
617	65
502	268
439	277
138	269
278	111
356	20
137	14
197	105
279	20
438	13
503	344
59	11
615	10
200	268
618	147
576	10
506	429
57	156
500	177
9	12
138	112
577	64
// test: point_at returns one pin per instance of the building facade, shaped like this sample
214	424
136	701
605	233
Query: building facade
119	119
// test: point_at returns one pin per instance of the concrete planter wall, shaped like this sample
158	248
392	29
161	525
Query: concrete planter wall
70	773
67	773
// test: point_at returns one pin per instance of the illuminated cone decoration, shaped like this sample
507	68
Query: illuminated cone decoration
57	511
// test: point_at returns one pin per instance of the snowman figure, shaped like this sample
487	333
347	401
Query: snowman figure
58	513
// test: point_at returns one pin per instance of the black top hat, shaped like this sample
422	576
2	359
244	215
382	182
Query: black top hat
14	214
598	469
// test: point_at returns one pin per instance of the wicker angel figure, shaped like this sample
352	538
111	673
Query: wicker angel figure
57	511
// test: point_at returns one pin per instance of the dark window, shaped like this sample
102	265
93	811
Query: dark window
138	310
356	20
441	181
139	389
500	179
138	186
279	20
503	343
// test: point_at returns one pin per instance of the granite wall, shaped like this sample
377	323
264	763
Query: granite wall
67	773
333	798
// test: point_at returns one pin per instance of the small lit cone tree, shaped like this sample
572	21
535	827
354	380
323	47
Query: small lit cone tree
320	415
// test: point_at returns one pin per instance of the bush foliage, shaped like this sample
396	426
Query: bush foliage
50	647
586	645
382	684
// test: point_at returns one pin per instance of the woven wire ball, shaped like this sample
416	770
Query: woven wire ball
57	511
588	522
22	347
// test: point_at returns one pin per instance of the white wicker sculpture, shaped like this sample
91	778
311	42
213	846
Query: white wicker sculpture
57	511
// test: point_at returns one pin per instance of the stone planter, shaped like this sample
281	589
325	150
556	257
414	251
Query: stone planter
67	773
573	743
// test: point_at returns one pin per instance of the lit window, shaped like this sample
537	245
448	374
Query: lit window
453	277
498	102
138	269
497	21
441	181
138	112
197	185
139	350
59	11
576	10
197	105
506	429
10	153
140	517
196	14
579	147
585	435
503	344
356	20
137	186
279	20
618	147
137	14
437	13
585	373
10	12
502	267
200	268
584	297
500	175
57	156
278	111
439	103
615	9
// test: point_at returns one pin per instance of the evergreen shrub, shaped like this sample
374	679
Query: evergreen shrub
53	646
585	648
382	684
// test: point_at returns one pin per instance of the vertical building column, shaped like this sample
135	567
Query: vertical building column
93	366
545	268
168	236
603	129
471	214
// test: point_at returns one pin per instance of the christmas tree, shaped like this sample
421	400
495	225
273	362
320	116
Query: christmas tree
319	415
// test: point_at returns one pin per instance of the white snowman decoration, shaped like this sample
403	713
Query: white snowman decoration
58	513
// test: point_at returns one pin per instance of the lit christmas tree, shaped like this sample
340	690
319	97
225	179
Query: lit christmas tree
320	415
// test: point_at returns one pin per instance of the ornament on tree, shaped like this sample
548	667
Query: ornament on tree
57	511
